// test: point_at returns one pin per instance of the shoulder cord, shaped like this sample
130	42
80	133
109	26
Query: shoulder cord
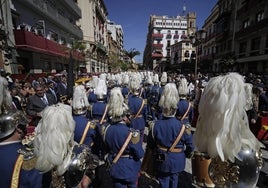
104	114
85	133
122	148
16	172
177	139
183	117
138	113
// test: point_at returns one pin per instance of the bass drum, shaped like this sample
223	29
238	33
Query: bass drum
200	166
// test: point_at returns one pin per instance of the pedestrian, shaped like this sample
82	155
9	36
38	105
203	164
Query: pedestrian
12	130
168	141
38	102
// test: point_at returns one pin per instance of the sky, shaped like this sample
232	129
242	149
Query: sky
134	16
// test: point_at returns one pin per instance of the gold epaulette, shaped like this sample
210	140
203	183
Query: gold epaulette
29	158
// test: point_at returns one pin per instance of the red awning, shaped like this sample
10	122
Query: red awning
32	42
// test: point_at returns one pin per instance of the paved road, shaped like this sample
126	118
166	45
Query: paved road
185	178
262	182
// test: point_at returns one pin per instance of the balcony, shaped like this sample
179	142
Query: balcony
157	35
101	47
176	36
29	41
168	36
158	45
53	16
157	55
73	6
252	28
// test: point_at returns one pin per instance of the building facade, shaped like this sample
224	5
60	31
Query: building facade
183	56
164	31
95	34
237	40
44	34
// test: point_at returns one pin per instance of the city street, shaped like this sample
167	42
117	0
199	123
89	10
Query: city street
185	178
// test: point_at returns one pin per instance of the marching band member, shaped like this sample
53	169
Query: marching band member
84	130
154	98
223	132
167	140
57	152
137	106
185	110
124	152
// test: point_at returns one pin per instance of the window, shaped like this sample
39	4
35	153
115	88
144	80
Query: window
259	16
255	43
242	47
187	54
246	23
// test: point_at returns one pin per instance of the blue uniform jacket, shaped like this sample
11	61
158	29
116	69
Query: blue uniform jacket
98	109
134	104
182	108
80	125
164	133
8	157
126	168
92	97
154	95
125	91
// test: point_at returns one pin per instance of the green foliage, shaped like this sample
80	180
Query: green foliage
131	53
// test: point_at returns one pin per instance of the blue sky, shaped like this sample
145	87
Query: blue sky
134	15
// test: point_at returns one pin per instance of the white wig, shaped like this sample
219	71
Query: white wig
169	99
116	106
54	138
134	84
222	128
125	80
164	77
80	100
156	78
101	89
183	86
5	97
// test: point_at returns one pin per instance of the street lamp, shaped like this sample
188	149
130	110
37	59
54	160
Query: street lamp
196	40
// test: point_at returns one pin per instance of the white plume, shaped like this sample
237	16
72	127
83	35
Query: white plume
54	138
5	97
169	99
116	105
222	128
183	86
80	99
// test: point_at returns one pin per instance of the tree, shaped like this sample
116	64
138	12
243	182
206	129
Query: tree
131	53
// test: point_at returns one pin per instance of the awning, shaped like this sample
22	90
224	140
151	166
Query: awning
30	41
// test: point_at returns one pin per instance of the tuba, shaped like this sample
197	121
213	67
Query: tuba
243	172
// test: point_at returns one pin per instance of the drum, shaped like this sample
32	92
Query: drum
148	173
200	166
147	166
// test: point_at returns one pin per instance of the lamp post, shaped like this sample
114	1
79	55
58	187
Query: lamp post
196	40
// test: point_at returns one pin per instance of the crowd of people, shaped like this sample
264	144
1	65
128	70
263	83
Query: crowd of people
111	123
